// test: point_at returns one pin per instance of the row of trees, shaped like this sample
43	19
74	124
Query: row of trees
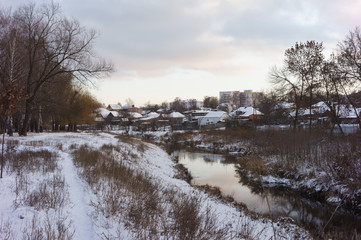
46	60
308	77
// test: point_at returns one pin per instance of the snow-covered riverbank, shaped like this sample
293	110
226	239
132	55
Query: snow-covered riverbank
78	215
312	163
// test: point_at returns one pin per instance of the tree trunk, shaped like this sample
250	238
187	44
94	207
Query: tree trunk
10	126
24	130
310	118
2	148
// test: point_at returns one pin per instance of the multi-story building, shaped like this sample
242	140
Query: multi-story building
231	97
247	98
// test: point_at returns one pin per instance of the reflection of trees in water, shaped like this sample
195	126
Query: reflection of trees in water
211	158
311	214
230	159
306	211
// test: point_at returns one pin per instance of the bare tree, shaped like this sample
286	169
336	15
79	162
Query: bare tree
304	61
164	105
349	61
10	92
53	45
11	69
330	90
349	57
303	64
210	102
129	101
284	85
177	105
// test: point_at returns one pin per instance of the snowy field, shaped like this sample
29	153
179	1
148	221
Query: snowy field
47	193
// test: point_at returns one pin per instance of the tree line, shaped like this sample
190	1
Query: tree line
46	63
307	77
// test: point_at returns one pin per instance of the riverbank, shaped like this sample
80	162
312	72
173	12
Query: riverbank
314	163
108	186
217	176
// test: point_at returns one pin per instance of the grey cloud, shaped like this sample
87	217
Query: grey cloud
165	29
274	24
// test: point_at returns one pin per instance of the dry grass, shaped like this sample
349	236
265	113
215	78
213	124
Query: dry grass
133	196
42	194
32	161
139	144
6	230
49	193
49	229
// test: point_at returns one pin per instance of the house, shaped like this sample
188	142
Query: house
109	117
321	107
348	114
151	117
130	108
175	118
101	114
212	118
286	106
197	114
304	114
134	115
246	113
114	107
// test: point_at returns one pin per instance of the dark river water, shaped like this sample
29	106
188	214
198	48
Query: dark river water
214	170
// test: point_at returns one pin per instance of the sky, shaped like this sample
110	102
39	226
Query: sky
163	49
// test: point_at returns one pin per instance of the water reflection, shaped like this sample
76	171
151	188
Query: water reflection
218	170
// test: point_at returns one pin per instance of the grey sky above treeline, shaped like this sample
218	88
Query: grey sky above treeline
163	49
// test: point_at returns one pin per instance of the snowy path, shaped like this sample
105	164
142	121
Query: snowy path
79	209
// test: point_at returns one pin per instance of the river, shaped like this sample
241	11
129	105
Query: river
215	170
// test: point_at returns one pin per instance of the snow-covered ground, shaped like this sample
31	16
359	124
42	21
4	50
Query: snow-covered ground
77	216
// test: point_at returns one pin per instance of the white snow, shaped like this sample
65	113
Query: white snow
245	112
79	211
175	115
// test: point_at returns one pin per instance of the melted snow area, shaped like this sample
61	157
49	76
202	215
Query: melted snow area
71	213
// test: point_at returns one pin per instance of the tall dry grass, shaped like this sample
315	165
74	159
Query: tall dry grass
48	192
149	210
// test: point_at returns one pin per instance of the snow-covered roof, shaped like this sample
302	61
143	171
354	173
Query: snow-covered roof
114	107
103	112
212	118
284	105
175	115
114	113
344	111
321	107
151	115
202	111
302	112
127	106
245	112
215	114
135	115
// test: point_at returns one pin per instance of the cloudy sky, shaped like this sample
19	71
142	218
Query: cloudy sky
163	49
